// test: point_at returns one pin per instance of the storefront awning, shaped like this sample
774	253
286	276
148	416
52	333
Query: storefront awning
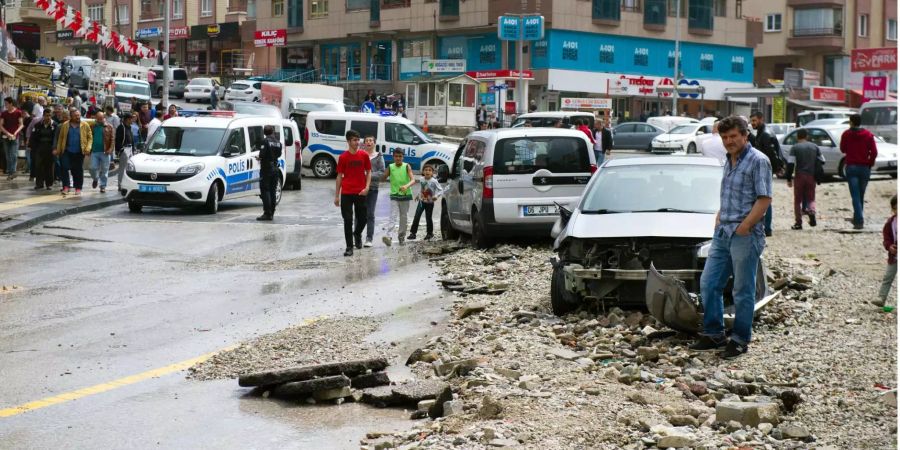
441	78
753	92
810	104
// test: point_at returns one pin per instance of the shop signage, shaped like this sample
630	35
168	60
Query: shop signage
827	94
212	30
25	35
801	78
527	74
778	109
666	82
179	33
444	65
509	28
874	88
693	84
270	38
147	33
65	35
873	59
586	103
533	28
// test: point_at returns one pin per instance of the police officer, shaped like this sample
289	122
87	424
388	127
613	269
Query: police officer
268	166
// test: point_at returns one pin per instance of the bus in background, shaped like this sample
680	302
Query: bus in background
880	117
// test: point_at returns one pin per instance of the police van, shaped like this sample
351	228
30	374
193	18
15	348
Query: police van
326	140
202	160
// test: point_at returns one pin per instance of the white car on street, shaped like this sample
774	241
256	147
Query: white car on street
199	89
200	161
682	138
244	90
828	138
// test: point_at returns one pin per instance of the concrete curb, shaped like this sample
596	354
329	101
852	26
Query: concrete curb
29	220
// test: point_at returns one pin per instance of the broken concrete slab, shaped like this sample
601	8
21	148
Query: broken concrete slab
304	388
349	368
460	367
563	353
413	392
332	394
747	413
370	380
381	396
453	408
471	308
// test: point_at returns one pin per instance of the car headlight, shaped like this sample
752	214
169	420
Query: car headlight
129	167
703	249
190	169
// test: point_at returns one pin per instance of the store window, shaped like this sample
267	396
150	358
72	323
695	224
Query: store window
353	5
416	47
456	95
641	56
773	22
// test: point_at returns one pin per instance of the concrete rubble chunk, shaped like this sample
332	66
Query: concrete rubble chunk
349	368
460	367
490	408
470	308
677	441
332	394
421	355
381	396
747	413
503	443
509	373
453	408
304	388
415	391
793	431
370	380
563	353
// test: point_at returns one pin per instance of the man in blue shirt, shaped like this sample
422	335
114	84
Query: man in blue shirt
738	240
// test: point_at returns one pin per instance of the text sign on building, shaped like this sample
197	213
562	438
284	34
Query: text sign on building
509	28
444	65
147	33
873	59
586	103
270	38
533	28
827	94
874	88
65	35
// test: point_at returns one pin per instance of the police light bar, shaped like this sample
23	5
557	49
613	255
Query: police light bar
205	113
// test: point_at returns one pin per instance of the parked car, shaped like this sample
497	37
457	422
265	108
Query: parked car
199	89
80	75
667	123
828	138
244	90
178	80
250	108
70	65
781	129
880	117
510	181
549	119
823	123
634	135
808	116
682	138
637	213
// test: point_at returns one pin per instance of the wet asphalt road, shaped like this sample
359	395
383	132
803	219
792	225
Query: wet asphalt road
110	294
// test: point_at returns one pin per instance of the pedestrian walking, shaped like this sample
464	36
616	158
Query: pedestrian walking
173	112
377	163
41	143
102	147
125	142
269	153
214	97
768	144
711	145
889	240
581	125
154	124
481	116
401	178
858	147
144	118
806	157
13	123
429	191
738	241
354	173
602	141
74	143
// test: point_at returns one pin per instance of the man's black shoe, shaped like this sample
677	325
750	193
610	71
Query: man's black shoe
706	344
858	226
411	237
348	252
429	237
357	240
265	216
797	226
812	220
733	350
769	233
94	184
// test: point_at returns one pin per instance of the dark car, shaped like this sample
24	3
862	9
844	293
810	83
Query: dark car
634	135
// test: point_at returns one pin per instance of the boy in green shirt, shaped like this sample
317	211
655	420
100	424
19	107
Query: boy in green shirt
401	178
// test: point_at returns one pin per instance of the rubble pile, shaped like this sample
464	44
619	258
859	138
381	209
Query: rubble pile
319	383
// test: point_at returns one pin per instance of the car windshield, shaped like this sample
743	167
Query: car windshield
256	109
422	134
683	129
654	188
200	82
186	141
239	86
780	128
127	89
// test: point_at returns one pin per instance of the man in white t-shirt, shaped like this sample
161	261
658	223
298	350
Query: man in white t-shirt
711	145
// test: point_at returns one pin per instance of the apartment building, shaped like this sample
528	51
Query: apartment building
618	49
818	35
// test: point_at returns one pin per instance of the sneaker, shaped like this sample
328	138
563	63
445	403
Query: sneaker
429	237
65	191
94	184
264	216
879	303
349	251
797	226
733	350
386	240
706	344
402	241
411	237
102	190
368	243
812	220
77	191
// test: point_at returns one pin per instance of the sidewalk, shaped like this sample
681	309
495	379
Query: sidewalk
23	207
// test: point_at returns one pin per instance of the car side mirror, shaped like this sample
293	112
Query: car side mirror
443	173
564	214
699	132
416	140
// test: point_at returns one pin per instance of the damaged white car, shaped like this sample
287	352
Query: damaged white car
638	213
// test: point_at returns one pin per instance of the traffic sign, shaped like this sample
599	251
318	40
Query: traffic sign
509	28
368	107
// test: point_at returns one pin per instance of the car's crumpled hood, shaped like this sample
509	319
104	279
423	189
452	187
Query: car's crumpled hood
666	224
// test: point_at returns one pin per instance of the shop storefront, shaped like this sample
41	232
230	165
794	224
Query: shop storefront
27	38
298	57
152	37
342	61
497	89
214	50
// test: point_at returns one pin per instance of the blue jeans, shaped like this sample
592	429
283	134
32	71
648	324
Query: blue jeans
736	256
768	220
11	149
100	167
371	201
857	180
599	157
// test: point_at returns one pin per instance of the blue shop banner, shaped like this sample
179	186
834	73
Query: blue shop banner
481	51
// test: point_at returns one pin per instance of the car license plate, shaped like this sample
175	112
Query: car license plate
541	210
151	188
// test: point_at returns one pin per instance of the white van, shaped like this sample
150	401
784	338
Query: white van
326	142
880	117
200	161
178	80
667	123
808	116
549	119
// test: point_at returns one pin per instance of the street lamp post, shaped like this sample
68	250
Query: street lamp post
165	86
677	57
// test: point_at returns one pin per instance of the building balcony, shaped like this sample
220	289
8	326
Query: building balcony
811	3
824	39
30	11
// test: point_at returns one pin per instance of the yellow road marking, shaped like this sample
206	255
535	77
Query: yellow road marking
100	388
5	206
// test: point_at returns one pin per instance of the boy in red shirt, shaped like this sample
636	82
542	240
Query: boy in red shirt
889	237
354	173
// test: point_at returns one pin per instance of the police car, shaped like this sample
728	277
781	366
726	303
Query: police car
200	161
326	140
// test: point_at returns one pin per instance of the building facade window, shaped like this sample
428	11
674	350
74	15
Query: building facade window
641	56
818	22
394	3
834	70
673	5
862	25
205	8
416	48
773	22
177	9
449	8
655	12
251	9
606	10
701	14
318	8
353	5
122	16
295	13
890	31
95	13
720	8
146	9
277	8
631	5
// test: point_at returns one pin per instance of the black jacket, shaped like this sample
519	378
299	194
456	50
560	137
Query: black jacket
768	144
269	152
606	139
43	136
123	138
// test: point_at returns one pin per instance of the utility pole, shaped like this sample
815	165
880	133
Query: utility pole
677	57
165	86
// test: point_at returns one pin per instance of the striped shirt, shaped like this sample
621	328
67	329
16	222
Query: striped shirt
742	184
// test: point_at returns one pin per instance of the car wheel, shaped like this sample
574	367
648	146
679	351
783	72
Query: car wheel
692	148
212	199
448	233
479	235
842	170
650	148
278	190
135	207
561	301
256	99
323	166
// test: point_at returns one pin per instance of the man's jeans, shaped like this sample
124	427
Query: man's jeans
371	201
858	180
599	155
100	167
767	221
123	163
730	255
11	149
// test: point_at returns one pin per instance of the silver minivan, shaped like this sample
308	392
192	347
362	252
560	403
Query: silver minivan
178	80
510	182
